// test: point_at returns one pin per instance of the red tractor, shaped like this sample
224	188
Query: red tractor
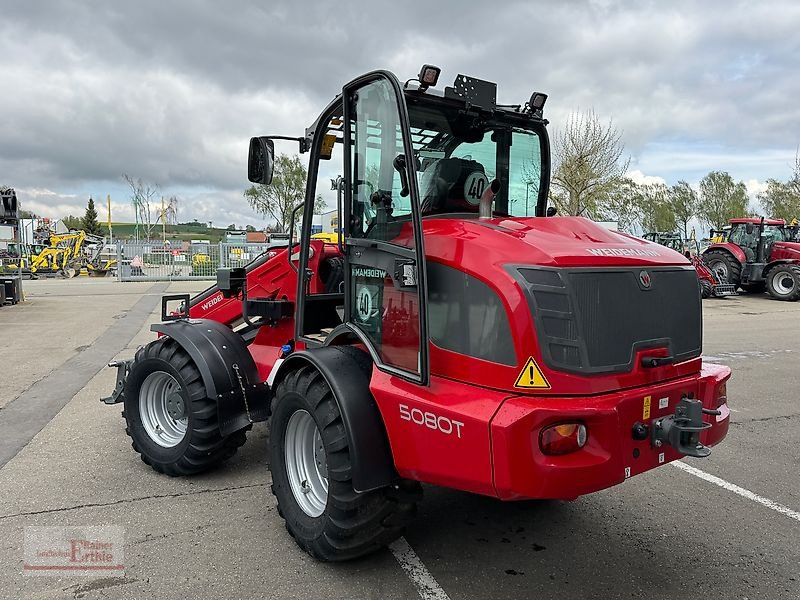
756	254
445	337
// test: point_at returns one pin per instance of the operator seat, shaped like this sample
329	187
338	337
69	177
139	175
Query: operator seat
445	190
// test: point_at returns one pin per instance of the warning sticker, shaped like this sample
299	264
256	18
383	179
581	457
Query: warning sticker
646	407
531	377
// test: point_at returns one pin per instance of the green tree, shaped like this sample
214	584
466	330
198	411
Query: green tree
89	222
72	223
250	229
655	207
621	205
721	199
287	190
780	201
589	165
684	203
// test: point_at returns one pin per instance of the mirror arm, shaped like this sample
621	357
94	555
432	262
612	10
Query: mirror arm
303	142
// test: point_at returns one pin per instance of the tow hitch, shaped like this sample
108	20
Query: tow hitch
123	366
682	430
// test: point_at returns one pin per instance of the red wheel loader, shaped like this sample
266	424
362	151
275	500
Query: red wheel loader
452	335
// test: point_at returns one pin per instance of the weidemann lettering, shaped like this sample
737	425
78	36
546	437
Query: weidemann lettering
362	272
622	252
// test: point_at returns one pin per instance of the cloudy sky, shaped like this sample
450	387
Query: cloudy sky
172	91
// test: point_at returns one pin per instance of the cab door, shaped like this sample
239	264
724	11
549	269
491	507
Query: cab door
385	257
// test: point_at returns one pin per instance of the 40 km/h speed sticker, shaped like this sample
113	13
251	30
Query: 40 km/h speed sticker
474	187
364	303
531	377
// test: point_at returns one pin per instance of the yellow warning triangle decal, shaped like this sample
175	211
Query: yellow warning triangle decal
531	377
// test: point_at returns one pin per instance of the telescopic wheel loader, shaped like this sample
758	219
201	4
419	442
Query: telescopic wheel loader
452	335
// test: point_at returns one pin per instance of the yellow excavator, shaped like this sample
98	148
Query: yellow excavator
68	253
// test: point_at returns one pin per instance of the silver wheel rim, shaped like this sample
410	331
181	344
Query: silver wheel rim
783	283
306	463
158	390
720	268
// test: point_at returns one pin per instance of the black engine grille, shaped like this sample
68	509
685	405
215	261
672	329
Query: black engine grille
594	320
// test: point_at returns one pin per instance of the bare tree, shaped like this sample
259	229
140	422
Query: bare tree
287	190
143	196
589	164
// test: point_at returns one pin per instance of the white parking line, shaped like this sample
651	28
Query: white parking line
780	508
427	586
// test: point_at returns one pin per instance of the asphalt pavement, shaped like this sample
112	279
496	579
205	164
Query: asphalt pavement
665	534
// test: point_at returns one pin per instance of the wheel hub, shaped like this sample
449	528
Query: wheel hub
784	283
720	269
176	408
306	463
162	409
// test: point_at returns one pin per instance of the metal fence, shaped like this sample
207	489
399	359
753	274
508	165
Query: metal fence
154	261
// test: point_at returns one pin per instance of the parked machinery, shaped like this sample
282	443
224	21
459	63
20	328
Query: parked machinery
445	338
758	254
711	285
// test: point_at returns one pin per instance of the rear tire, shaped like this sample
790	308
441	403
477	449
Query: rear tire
172	422
339	523
706	289
783	282
724	265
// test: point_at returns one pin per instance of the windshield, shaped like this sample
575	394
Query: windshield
461	153
775	233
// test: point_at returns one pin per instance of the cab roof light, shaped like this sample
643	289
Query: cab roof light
535	105
428	76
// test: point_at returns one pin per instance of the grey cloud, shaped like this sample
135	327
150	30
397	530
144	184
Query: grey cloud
170	91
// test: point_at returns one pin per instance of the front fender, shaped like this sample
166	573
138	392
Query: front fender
228	370
733	249
348	377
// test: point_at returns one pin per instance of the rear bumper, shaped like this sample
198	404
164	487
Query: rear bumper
611	454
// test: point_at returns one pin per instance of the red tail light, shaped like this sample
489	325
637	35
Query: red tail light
562	438
722	395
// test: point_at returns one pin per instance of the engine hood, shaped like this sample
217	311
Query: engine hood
785	250
551	241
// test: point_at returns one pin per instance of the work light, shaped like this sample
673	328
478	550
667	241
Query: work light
428	76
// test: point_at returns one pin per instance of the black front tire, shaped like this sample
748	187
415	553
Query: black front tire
352	524
202	447
783	282
705	289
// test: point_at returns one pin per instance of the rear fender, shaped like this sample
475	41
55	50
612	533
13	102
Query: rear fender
775	263
228	370
733	249
348	377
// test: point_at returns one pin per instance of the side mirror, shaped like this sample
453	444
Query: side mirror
261	160
552	211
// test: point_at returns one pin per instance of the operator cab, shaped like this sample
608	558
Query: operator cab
387	157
